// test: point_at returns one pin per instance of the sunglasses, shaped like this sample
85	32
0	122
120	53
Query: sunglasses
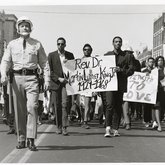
61	44
87	49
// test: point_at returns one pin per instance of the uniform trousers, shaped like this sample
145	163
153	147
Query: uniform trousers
25	97
8	107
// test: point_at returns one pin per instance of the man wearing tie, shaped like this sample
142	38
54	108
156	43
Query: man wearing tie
24	55
58	89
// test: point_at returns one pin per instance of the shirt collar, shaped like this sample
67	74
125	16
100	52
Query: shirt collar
61	54
85	56
21	39
120	53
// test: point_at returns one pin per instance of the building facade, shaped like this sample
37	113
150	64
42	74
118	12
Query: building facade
7	30
2	21
10	32
159	36
144	55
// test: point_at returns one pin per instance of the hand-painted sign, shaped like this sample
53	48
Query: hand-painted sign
92	74
142	88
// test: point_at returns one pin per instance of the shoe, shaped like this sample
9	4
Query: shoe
116	133
59	131
11	131
5	121
147	125
21	145
127	127
31	145
159	129
86	126
39	123
124	125
154	125
107	132
65	132
33	148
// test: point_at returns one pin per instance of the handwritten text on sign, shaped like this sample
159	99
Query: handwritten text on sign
90	74
142	88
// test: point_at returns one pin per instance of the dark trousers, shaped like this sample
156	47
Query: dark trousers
114	100
60	101
162	104
103	110
147	112
136	107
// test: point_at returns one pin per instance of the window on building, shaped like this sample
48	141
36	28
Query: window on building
161	38
156	40
0	35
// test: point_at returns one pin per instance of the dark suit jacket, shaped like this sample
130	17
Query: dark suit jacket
56	68
125	62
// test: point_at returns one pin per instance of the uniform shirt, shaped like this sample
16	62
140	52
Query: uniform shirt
18	58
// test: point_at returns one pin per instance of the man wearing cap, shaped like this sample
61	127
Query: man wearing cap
24	55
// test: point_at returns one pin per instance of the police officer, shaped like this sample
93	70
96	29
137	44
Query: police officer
23	55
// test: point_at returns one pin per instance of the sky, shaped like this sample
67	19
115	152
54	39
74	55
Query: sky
89	23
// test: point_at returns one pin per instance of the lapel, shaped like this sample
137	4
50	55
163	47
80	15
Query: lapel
66	55
58	61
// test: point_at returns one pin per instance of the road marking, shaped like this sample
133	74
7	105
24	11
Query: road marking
38	141
10	157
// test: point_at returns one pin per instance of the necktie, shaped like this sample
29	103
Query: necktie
24	44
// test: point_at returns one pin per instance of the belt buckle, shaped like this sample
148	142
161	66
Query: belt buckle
24	71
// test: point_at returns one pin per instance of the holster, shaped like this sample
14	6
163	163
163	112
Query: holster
11	75
41	83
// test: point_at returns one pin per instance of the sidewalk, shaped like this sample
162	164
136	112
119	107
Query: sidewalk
1	119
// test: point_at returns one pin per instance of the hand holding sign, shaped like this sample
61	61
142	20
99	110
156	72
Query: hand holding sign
63	80
65	60
117	69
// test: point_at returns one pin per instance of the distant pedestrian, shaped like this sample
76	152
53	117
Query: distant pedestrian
159	64
87	51
147	108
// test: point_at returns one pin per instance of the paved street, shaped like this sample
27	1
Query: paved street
87	146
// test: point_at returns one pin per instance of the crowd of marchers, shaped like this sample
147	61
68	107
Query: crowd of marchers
33	89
